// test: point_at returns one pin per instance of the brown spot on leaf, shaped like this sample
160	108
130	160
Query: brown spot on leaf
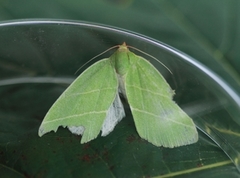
86	158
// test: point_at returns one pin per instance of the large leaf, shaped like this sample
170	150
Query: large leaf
121	154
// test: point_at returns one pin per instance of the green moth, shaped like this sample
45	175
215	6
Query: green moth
92	104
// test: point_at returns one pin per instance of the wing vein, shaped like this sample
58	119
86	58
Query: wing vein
92	91
147	90
139	110
76	115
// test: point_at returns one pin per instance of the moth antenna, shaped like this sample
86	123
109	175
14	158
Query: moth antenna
96	57
151	57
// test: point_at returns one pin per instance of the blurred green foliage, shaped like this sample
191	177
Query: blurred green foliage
206	30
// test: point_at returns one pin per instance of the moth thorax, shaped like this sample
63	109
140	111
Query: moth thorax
122	62
121	85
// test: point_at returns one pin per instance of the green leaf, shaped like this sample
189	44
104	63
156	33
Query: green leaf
122	153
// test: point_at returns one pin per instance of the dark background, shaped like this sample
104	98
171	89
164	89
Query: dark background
206	30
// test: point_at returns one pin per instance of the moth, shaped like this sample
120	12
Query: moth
92	103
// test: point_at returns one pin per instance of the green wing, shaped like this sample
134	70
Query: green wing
84	104
157	117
